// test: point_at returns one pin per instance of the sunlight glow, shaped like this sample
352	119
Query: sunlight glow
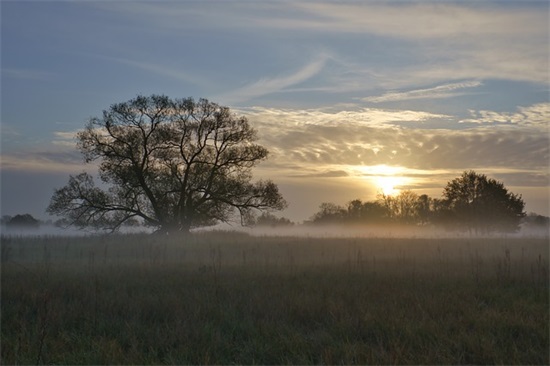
387	185
388	180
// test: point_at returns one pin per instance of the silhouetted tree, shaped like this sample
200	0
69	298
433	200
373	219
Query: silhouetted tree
329	213
366	212
440	214
172	163
535	220
478	203
268	219
25	221
355	211
424	208
402	208
374	212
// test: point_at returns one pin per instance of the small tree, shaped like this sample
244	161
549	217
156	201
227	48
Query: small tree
329	213
481	204
268	219
171	163
25	221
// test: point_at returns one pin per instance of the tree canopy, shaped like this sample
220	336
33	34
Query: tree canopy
174	164
470	202
482	204
25	221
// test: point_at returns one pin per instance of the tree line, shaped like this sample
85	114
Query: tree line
470	202
20	221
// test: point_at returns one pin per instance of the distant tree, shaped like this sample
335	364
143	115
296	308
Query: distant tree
329	213
366	212
5	219
25	221
174	164
440	214
374	212
408	207
481	204
355	210
424	208
535	220
402	208
268	219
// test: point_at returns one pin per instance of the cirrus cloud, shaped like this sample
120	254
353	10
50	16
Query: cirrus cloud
268	85
437	92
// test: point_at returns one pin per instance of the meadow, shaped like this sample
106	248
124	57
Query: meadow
232	298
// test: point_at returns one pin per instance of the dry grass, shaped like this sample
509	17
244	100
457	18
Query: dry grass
223	298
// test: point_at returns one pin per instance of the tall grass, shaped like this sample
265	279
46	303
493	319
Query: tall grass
221	298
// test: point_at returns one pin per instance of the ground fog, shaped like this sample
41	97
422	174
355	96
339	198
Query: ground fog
253	298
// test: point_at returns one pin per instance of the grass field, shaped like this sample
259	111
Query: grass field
226	298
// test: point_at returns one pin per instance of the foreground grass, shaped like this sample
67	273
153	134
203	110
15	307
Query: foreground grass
233	299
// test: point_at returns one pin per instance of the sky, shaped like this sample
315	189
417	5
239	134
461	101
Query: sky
352	99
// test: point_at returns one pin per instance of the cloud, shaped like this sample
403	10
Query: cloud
271	85
65	138
322	174
359	117
440	91
321	141
163	70
469	40
60	155
47	161
537	115
8	131
415	20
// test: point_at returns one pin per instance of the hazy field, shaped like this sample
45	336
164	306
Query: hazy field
224	298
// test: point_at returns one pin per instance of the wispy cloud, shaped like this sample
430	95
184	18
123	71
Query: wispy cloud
374	117
537	115
65	138
8	131
415	20
466	40
440	91
275	84
55	159
57	155
163	70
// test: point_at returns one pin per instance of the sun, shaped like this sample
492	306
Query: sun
388	180
387	184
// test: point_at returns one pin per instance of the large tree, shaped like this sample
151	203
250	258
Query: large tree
173	164
482	204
